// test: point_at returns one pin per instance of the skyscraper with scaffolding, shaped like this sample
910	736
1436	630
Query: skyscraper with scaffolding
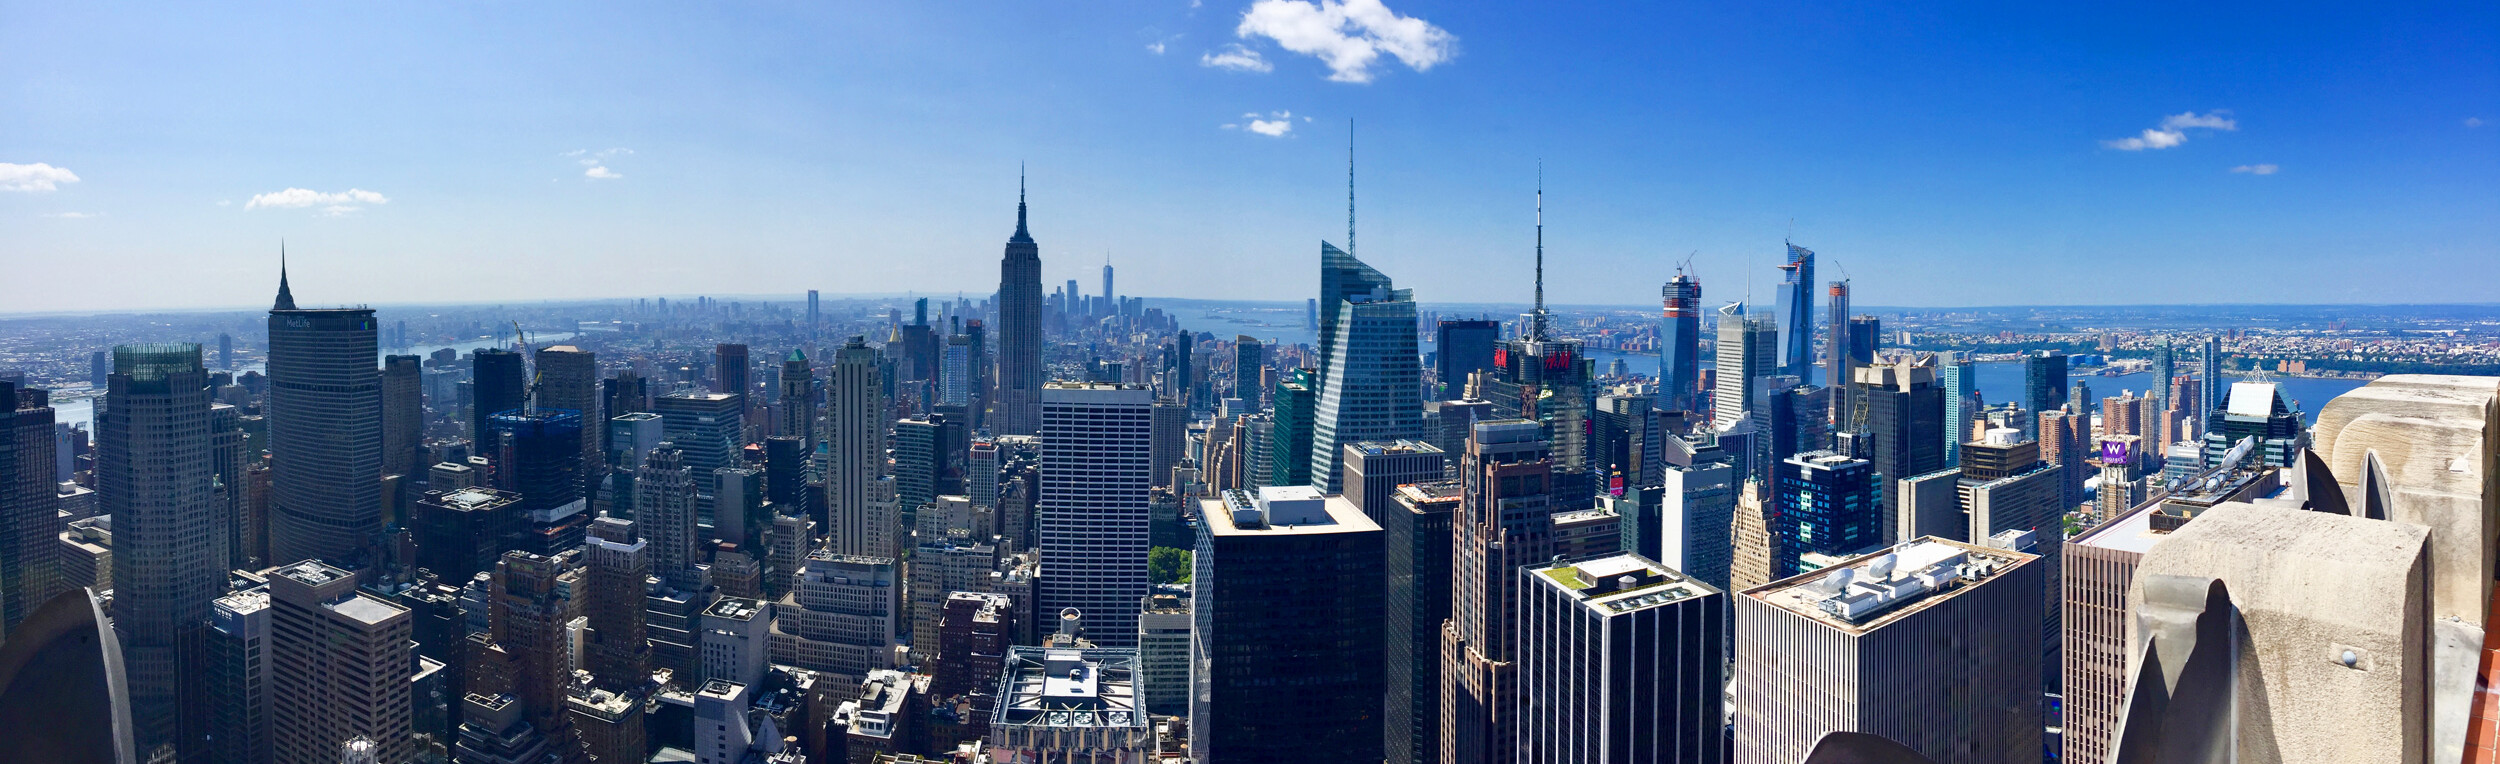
1679	345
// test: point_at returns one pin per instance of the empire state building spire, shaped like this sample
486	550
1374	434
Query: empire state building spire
1021	236
286	297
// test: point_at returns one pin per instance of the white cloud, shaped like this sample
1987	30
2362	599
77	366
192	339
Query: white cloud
2257	169
1271	128
1155	47
1348	35
2152	139
336	204
2173	130
601	173
1236	58
34	177
73	215
2473	121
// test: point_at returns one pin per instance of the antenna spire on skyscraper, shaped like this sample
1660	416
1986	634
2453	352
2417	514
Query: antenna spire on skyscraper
1021	234
1536	320
1349	185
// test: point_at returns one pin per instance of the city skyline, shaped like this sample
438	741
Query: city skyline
716	151
457	384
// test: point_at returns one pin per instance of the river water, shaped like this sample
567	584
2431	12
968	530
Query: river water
1999	382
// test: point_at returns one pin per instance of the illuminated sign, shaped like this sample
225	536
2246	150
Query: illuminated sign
2114	451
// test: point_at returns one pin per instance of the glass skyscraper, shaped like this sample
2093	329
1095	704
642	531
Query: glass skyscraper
1961	398
1796	313
1829	504
1370	383
154	477
1463	347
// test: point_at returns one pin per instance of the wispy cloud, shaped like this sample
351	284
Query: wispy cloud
1236	58
34	178
339	203
1155	47
2473	121
2173	130
596	162
1348	35
73	215
2257	169
1274	124
1277	126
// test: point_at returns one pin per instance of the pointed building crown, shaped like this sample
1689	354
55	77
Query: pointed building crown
1022	236
286	297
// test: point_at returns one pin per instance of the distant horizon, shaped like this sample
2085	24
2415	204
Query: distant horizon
801	297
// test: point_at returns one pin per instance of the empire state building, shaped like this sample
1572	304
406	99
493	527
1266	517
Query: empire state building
1019	401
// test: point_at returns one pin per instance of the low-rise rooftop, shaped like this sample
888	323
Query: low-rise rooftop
1623	583
734	608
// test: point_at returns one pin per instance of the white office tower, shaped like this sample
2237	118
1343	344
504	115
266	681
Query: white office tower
855	420
1746	349
1696	510
1093	512
737	638
1932	644
840	617
721	734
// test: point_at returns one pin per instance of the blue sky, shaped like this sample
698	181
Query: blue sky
1965	155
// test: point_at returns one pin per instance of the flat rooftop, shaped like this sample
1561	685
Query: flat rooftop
1380	447
367	609
2131	531
246	601
474	498
1234	514
1065	687
734	608
312	573
1439	490
1623	583
1584	515
1864	593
